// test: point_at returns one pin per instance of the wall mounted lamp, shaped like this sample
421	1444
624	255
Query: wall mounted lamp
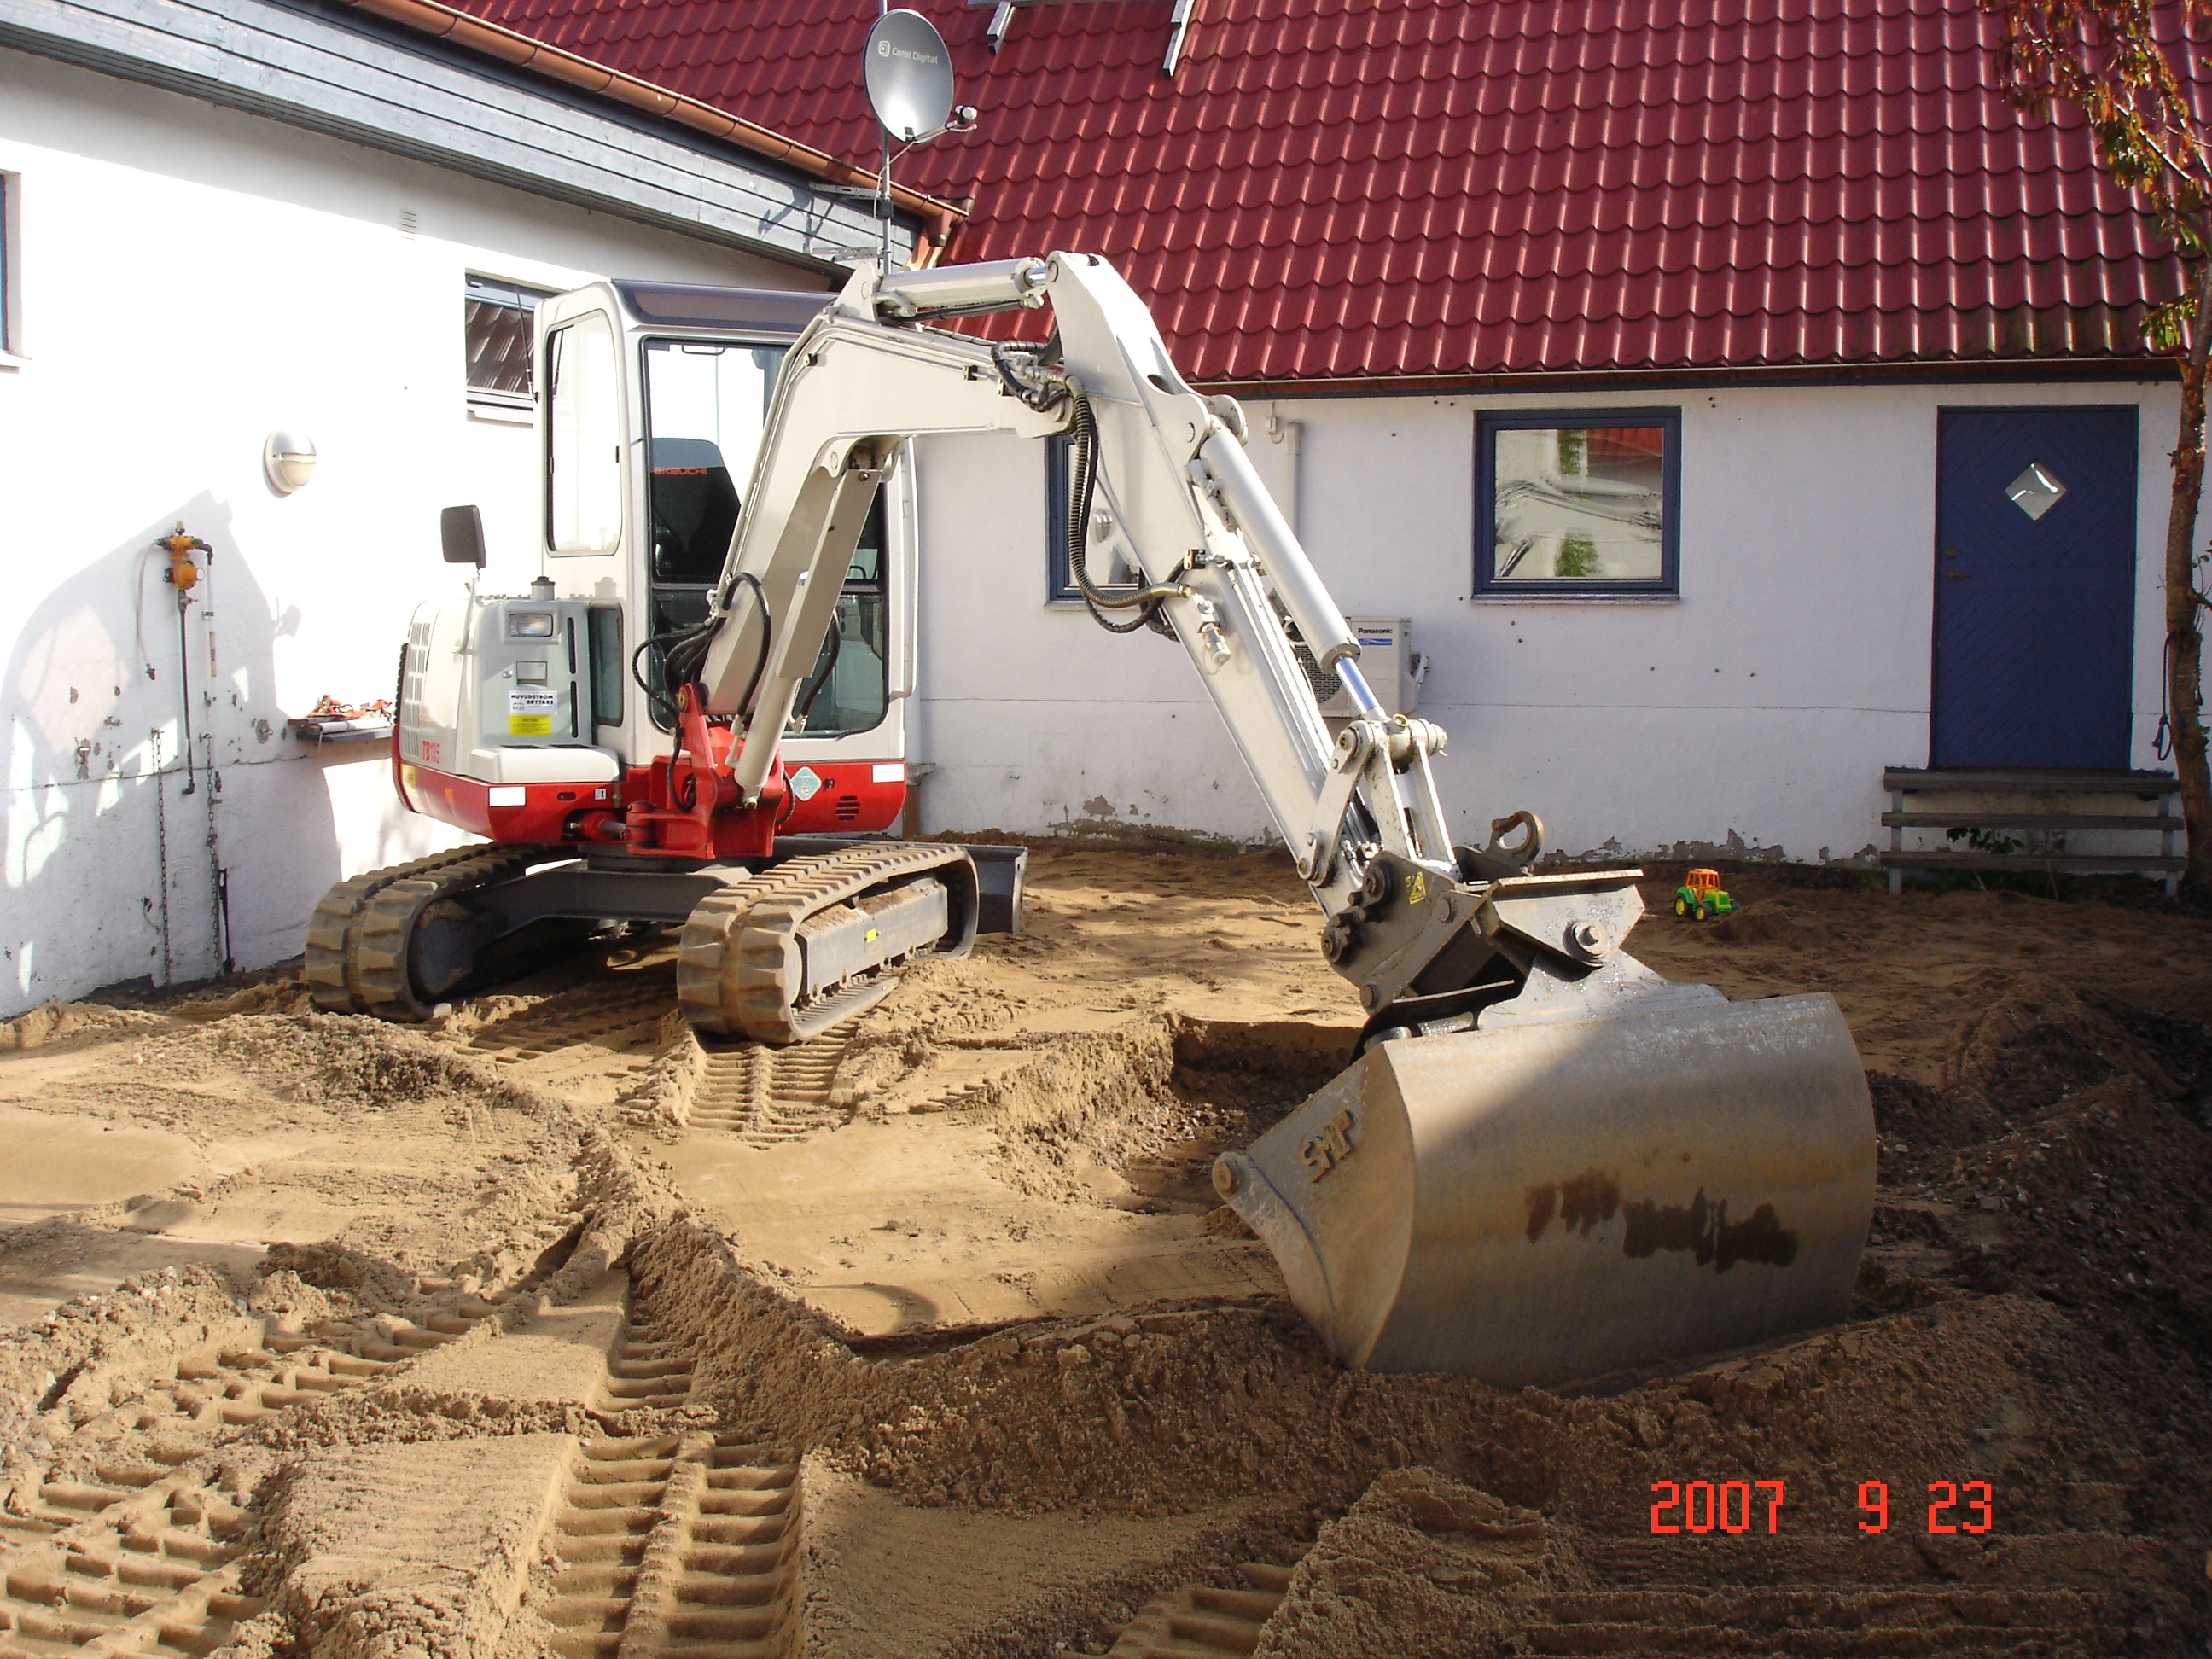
288	460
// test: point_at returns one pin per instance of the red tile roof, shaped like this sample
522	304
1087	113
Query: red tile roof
1343	189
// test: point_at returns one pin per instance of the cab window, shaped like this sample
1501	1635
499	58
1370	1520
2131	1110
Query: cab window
583	439
706	403
850	687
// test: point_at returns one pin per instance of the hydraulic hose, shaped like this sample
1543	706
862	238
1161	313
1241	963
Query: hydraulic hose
820	678
685	657
1082	487
687	653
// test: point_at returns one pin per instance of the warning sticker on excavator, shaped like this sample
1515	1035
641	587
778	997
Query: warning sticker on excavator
529	713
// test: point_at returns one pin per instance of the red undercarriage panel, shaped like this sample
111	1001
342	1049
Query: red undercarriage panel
845	797
849	800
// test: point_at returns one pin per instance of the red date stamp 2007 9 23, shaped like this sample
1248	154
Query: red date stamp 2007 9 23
1728	1506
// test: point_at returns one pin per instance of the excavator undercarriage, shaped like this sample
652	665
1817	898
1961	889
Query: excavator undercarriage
777	953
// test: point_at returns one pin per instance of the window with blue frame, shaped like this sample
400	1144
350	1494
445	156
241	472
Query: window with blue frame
1580	502
1109	560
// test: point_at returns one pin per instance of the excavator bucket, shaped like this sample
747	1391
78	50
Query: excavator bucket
1583	1193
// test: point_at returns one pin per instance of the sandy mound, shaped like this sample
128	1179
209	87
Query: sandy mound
58	1022
1776	921
1419	1567
2032	1039
375	1552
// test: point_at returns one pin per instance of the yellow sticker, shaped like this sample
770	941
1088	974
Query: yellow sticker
1417	889
871	936
530	713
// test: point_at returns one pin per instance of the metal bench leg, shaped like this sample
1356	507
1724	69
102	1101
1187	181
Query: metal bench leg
1896	842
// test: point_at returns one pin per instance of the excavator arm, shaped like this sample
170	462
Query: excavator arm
1225	576
1545	1162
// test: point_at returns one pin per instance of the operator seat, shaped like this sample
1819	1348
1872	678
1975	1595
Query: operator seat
695	509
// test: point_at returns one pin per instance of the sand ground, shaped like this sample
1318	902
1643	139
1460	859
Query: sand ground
931	1339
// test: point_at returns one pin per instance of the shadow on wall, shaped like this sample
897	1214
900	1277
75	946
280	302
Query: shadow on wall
146	833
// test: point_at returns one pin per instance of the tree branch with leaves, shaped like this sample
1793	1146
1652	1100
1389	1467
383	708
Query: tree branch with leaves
2132	68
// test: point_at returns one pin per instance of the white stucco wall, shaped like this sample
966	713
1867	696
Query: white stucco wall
190	278
1760	708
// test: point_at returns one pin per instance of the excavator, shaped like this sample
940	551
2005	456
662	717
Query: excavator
1544	1164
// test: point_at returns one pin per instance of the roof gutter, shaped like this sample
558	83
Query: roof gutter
939	217
1933	371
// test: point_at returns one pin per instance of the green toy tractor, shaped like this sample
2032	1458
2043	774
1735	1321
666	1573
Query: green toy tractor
1701	895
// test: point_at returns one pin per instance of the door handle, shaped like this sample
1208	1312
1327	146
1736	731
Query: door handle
1956	576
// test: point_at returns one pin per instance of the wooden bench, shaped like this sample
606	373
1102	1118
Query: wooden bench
2045	801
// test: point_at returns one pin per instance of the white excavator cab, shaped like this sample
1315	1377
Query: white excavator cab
656	399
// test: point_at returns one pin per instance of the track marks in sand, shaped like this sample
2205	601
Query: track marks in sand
765	1095
1638	1598
1204	1620
623	1018
2038	1593
186	1414
154	1578
644	1367
207	1396
679	1546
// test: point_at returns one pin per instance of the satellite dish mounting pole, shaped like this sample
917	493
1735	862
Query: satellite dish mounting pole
883	193
909	75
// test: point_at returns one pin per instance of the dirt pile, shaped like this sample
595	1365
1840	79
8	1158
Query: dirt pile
1419	1567
505	1349
374	1552
1177	1408
58	1022
2065	1160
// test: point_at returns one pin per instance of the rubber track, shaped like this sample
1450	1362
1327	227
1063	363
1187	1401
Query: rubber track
330	940
386	930
676	1545
760	921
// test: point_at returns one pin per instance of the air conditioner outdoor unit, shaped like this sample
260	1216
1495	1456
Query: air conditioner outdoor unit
1394	670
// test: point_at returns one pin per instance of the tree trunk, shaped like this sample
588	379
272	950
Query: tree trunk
2185	638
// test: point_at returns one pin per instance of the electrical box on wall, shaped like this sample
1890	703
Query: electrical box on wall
1392	669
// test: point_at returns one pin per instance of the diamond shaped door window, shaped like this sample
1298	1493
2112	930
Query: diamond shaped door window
2036	491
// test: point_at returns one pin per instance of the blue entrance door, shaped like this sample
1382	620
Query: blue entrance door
2035	555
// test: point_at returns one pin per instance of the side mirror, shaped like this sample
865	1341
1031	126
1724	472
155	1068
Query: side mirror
460	533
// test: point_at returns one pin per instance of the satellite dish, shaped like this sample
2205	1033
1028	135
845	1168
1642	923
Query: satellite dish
909	76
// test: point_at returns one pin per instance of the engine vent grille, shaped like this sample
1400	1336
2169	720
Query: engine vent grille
1325	681
414	666
847	809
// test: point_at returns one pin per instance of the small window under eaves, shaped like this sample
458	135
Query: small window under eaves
500	321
